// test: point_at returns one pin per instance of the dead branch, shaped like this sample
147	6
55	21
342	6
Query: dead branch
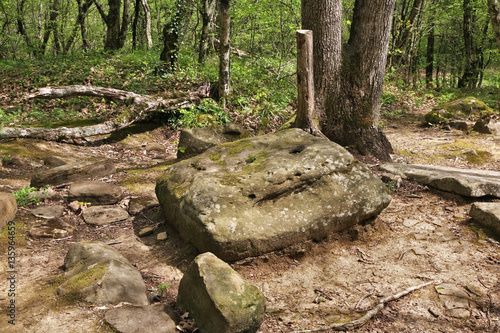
137	106
355	324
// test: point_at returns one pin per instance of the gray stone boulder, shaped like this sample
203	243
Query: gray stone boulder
72	172
464	108
257	195
99	274
195	141
48	212
487	214
465	182
487	126
218	298
95	192
100	215
151	318
139	204
8	208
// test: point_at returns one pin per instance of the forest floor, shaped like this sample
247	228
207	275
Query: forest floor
423	235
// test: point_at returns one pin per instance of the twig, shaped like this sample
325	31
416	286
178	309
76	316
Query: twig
371	313
362	298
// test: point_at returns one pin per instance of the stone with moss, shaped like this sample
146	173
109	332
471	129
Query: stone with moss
196	140
99	274
469	108
218	298
272	191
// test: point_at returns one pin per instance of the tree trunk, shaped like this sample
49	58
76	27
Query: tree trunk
470	75
51	27
353	102
324	18
171	34
494	9
136	107
117	27
82	12
208	16
147	11
429	68
225	87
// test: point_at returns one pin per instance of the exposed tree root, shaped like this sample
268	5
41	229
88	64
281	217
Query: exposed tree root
137	106
370	313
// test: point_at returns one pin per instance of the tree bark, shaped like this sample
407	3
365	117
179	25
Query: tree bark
225	86
208	16
352	104
136	107
117	27
429	68
494	9
470	75
51	27
324	18
171	34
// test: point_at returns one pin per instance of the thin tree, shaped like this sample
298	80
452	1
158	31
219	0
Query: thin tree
225	86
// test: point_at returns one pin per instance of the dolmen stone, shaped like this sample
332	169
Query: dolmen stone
99	274
95	192
100	215
218	298
8	208
72	172
487	214
260	194
465	182
151	318
195	141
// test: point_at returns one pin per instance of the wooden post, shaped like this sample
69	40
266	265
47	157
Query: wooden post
305	81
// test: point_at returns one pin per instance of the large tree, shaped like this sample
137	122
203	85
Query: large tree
117	27
349	78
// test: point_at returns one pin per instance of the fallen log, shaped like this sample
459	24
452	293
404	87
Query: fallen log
136	106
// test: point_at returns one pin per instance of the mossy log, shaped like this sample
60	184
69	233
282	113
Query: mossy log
137	106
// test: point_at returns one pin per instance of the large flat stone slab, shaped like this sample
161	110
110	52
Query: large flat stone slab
466	182
487	214
95	192
256	195
69	173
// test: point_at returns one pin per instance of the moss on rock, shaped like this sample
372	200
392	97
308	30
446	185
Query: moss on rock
468	107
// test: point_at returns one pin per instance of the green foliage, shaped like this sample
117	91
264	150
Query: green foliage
24	196
207	113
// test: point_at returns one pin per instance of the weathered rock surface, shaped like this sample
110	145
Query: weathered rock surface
137	205
487	126
466	182
54	161
53	228
455	300
48	212
8	208
95	192
218	298
196	140
260	194
463	108
72	172
99	274
152	318
487	214
100	215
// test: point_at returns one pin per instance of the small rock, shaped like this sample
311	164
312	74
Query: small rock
53	228
99	274
218	298
12	162
54	161
97	193
146	231
8	208
410	222
162	236
487	126
487	214
74	206
153	146
150	318
48	212
100	215
139	204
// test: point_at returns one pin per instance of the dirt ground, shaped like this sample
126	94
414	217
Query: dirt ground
423	235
